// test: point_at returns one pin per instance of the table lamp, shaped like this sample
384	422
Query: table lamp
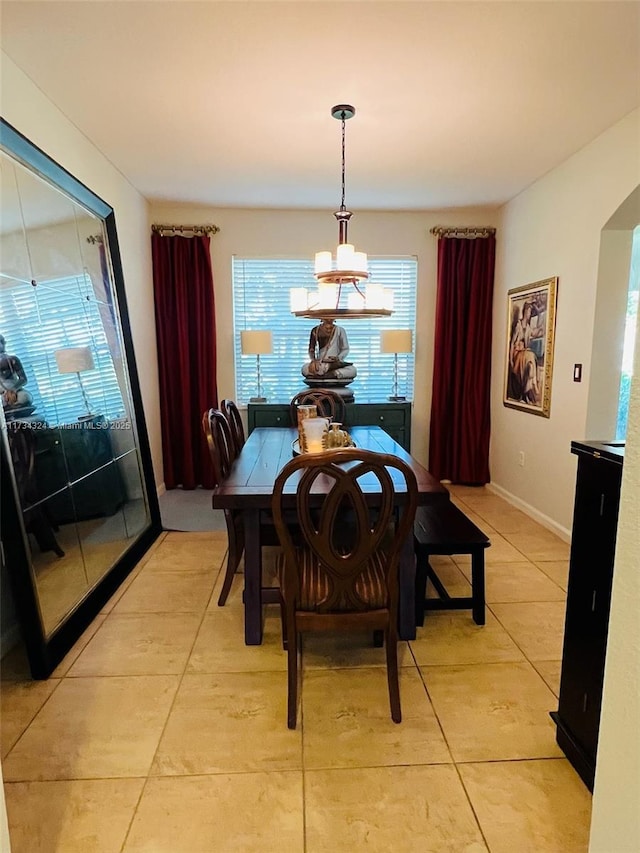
395	341
256	342
76	360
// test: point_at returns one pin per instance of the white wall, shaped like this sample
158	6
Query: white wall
554	229
300	233
26	108
615	823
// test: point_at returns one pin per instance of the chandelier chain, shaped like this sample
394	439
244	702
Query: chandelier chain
342	207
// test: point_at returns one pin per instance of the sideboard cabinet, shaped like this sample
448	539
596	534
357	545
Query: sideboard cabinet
394	418
593	541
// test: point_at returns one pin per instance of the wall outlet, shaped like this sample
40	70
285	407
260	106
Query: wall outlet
521	459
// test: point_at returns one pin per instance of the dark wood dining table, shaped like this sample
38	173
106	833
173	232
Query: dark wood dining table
249	488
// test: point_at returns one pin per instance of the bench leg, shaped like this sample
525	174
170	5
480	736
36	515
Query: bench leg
477	586
422	564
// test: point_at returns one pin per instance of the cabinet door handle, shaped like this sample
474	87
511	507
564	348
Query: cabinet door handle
278	419
601	504
381	417
593	601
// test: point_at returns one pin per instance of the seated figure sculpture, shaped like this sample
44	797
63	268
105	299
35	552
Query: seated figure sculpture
12	381
328	349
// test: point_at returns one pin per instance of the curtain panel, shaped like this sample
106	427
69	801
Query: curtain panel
460	426
185	326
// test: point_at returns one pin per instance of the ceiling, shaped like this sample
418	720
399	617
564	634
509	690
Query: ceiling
228	103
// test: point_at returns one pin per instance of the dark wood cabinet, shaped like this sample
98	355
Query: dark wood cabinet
595	523
394	418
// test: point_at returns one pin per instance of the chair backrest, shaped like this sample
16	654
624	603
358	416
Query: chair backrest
365	513
220	441
329	403
235	422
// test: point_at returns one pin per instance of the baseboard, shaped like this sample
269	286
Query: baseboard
9	638
562	532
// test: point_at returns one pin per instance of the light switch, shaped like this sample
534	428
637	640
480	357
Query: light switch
577	373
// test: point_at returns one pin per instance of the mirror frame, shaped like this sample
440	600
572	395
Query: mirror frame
44	652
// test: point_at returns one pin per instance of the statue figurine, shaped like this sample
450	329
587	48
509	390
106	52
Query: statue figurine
328	349
12	381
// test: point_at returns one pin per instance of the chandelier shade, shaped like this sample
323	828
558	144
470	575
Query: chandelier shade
332	300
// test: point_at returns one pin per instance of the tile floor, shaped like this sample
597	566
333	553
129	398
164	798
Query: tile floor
162	732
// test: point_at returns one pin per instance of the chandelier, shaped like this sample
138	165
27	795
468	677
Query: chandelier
360	297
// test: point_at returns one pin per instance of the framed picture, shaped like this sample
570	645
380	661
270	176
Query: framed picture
531	320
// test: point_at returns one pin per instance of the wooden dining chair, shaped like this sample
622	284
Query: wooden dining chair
329	403
344	576
220	442
232	413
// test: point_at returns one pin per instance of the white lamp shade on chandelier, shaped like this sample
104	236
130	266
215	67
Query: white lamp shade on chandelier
349	268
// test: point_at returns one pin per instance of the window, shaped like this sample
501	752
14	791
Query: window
62	313
629	338
261	301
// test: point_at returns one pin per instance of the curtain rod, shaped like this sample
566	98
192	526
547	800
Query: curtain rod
441	231
180	229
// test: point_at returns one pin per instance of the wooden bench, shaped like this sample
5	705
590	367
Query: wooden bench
443	529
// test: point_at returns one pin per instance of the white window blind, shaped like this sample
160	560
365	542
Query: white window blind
37	321
261	301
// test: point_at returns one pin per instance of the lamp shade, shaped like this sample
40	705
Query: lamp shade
255	342
74	359
396	340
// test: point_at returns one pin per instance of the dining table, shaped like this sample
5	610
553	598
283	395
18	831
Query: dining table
249	488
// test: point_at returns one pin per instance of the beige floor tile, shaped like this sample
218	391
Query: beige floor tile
67	661
537	627
197	535
169	592
347	721
493	711
330	650
451	575
452	637
522	581
229	723
557	570
184	554
245	812
482	523
124	586
139	644
20	701
530	806
94	727
550	671
500	551
220	645
89	816
539	545
379	809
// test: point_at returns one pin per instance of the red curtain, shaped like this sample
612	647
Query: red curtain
186	332
460	409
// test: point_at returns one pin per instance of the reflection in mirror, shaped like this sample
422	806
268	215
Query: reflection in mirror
67	408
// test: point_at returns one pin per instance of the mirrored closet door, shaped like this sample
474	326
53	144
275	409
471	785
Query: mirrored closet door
79	505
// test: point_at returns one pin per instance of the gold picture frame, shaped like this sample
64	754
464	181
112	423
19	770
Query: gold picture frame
531	321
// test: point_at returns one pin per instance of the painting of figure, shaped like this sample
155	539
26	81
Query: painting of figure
531	315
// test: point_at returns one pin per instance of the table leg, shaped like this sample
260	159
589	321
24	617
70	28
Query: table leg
407	583
252	578
477	586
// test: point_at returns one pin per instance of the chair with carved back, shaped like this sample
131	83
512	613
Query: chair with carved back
329	403
344	576
220	442
232	414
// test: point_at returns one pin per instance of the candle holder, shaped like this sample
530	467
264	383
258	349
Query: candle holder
313	436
